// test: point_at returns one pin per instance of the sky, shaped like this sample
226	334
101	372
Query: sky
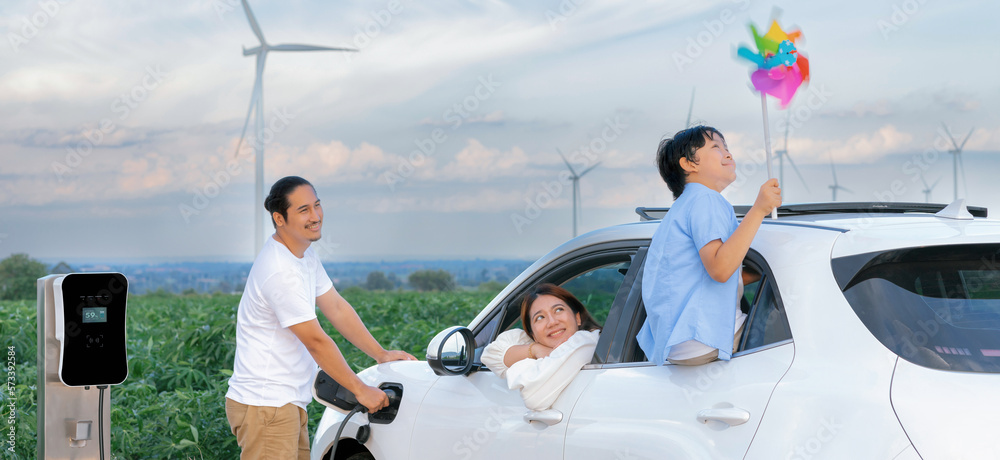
439	138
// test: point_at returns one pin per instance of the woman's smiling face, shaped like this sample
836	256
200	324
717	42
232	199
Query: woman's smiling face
552	321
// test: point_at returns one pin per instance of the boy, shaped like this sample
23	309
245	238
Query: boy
690	280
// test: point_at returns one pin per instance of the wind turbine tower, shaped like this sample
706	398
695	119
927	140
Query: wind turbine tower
836	186
957	160
928	188
576	187
781	154
257	111
687	124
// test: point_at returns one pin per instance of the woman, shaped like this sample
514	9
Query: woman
558	339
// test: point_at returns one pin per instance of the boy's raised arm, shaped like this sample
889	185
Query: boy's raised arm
723	259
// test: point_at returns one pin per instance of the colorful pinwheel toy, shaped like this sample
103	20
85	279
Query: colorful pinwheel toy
781	70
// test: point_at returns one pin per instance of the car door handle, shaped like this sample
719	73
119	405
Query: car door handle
731	416
549	416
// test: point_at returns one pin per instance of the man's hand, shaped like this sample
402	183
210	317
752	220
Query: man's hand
394	355
372	398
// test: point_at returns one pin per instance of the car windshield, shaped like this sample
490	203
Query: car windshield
937	307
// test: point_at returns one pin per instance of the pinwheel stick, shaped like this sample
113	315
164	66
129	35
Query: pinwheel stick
767	144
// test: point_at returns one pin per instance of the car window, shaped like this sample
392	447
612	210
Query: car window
767	323
766	319
934	306
485	335
751	288
597	288
594	277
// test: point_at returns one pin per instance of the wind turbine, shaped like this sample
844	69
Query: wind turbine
257	110
928	188
781	154
576	186
687	124
835	185
957	152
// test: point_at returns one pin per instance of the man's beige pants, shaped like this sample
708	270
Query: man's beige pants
264	432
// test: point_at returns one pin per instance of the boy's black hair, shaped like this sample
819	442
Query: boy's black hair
684	144
277	199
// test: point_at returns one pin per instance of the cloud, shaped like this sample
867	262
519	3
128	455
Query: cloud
476	163
858	148
956	101
862	109
495	117
330	162
478	199
984	139
89	136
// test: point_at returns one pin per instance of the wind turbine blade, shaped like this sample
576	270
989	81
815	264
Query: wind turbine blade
966	139
253	22
253	100
845	189
297	47
935	184
948	132
796	168
585	171
566	161
834	170
924	181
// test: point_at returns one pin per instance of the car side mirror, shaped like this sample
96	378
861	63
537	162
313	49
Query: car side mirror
452	351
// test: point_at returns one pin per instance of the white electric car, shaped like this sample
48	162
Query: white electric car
873	333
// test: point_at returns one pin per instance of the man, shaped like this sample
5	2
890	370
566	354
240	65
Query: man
279	341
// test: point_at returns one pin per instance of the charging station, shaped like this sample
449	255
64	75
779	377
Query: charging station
81	351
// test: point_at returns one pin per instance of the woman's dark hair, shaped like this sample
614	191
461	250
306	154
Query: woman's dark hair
682	145
277	199
587	322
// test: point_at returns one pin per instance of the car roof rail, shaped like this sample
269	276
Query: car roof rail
870	207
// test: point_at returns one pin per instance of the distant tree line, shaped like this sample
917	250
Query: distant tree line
420	280
19	274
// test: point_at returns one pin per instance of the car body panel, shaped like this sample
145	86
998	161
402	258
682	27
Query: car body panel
948	415
922	232
835	356
477	416
599	427
416	377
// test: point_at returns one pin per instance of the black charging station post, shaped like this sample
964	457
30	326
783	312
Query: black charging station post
81	351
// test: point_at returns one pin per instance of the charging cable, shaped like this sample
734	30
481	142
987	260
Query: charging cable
100	418
358	408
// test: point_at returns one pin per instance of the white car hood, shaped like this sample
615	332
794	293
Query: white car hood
947	415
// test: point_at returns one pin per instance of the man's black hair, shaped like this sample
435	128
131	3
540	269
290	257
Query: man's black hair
684	144
277	199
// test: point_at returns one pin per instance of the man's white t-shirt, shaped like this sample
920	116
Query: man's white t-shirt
272	366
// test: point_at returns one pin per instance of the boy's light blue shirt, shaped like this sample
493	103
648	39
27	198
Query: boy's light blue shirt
682	300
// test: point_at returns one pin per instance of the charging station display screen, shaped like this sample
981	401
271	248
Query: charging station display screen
95	315
93	337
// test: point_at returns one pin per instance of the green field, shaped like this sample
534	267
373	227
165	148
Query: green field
181	355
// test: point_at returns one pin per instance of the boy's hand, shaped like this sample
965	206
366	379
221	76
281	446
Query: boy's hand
769	197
